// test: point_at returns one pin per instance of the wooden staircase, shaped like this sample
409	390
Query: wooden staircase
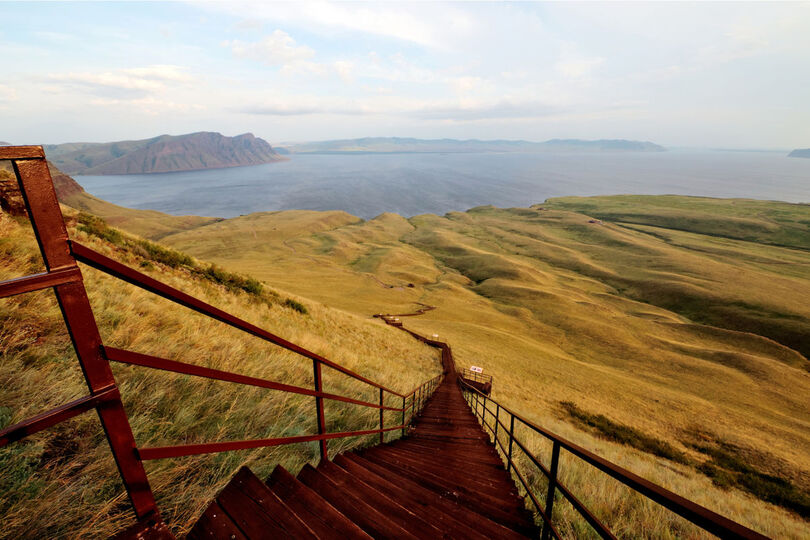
443	480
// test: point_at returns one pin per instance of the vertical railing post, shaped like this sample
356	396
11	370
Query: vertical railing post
552	485
36	187
484	415
511	438
497	421
403	416
316	367
382	418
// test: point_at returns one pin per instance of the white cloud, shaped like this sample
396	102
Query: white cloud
468	84
433	27
129	83
574	64
7	94
468	109
344	70
149	105
277	49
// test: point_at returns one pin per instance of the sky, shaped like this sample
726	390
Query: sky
715	75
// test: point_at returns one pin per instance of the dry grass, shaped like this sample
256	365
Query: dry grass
63	483
669	332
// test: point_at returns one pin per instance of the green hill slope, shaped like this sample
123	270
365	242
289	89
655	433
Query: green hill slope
693	339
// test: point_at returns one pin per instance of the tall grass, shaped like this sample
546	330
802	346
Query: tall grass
63	483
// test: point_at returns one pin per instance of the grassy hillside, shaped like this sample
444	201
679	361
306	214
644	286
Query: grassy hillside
764	222
690	338
62	483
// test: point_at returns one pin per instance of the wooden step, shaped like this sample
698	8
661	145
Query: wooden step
446	515
215	524
451	480
495	509
363	513
485	475
394	509
323	518
253	509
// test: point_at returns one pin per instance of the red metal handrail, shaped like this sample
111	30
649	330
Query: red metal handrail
64	277
691	511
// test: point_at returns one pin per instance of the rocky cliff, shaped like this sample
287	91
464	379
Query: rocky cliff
167	153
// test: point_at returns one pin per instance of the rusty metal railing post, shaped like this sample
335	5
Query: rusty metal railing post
511	438
484	415
552	485
403	416
497	419
316	368
36	187
382	418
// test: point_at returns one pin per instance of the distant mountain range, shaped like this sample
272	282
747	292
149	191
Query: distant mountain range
166	153
800	152
408	145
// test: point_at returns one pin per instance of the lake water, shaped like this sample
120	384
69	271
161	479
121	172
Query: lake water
410	184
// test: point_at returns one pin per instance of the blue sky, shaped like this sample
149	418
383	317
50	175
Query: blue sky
703	75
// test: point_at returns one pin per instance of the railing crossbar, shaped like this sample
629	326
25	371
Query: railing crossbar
162	364
36	282
163	452
44	420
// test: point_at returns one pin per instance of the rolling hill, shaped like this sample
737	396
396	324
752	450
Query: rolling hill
166	153
800	153
683	320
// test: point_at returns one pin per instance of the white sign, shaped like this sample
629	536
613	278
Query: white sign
476	369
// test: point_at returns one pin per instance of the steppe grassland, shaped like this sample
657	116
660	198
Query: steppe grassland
63	482
559	309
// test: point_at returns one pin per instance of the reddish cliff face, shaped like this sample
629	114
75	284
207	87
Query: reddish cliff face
64	185
167	153
11	200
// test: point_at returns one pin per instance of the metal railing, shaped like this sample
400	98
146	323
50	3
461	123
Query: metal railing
505	421
61	257
476	376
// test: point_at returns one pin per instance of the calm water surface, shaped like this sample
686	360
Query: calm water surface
410	184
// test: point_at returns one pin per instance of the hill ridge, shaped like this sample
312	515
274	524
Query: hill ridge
164	153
